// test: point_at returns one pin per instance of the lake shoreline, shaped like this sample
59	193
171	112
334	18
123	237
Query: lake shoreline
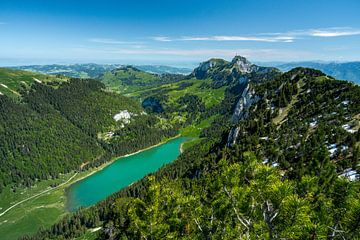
104	165
131	169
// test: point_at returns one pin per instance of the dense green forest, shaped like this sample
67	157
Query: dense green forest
56	127
290	174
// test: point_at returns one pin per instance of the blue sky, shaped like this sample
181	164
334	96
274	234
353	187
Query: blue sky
177	32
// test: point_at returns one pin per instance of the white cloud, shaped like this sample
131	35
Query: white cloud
334	32
162	39
286	37
259	54
239	38
110	41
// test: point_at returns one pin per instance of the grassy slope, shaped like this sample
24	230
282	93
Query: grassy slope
209	96
118	80
41	211
17	79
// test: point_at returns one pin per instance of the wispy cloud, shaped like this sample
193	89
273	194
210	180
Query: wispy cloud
240	38
263	54
334	32
2	23
110	41
162	39
285	37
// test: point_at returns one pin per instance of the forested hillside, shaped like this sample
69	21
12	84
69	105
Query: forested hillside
54	128
280	161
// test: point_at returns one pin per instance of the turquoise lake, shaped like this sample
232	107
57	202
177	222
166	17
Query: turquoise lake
121	173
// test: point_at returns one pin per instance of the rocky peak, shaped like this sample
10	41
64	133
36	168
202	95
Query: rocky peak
243	64
211	63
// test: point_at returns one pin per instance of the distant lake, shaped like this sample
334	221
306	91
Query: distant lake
121	173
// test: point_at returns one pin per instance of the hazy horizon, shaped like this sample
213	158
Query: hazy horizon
22	62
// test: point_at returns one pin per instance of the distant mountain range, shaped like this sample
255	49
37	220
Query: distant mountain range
344	71
92	70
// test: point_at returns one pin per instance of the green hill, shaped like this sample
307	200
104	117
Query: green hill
12	82
129	79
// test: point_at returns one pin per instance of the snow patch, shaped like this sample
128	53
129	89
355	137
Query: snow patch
275	164
348	128
350	174
313	123
332	149
345	102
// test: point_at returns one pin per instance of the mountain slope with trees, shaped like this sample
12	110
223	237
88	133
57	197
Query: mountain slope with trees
291	170
55	127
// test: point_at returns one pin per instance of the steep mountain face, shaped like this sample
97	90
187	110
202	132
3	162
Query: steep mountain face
344	71
225	73
243	65
239	72
246	100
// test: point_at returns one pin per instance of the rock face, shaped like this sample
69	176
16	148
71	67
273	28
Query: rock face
224	72
243	65
238	71
246	100
124	116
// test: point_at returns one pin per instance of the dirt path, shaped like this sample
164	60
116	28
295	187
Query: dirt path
38	194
